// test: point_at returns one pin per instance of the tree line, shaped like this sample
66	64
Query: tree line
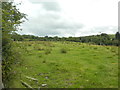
102	39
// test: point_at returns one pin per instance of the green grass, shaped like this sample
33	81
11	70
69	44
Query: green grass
65	65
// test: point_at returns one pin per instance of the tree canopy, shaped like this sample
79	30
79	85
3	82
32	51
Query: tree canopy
11	19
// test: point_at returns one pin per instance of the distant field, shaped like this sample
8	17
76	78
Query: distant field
65	65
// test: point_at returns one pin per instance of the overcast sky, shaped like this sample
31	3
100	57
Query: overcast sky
69	17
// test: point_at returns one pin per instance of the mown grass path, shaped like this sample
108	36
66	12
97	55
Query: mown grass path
65	65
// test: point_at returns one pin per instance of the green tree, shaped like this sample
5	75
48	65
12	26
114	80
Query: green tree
117	35
11	19
17	37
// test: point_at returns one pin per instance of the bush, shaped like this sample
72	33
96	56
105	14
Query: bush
10	21
39	48
47	51
29	45
95	47
63	50
40	56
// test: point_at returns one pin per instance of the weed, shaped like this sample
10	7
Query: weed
40	56
44	61
63	50
47	51
107	48
39	48
95	47
29	45
83	46
109	57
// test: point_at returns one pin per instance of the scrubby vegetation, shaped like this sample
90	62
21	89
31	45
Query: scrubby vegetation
102	39
63	50
11	19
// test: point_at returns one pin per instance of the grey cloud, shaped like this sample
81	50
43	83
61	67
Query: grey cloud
48	5
51	24
48	21
51	6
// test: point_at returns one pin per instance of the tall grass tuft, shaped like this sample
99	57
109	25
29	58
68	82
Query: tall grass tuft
63	50
39	48
47	51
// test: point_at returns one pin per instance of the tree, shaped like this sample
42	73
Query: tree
16	37
11	19
117	35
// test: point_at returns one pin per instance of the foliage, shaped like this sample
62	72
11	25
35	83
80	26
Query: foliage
11	19
117	35
47	51
103	39
63	50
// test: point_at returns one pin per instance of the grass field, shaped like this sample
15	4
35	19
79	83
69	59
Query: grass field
64	65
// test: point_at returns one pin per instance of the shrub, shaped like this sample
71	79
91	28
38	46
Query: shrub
39	48
107	48
44	61
83	46
63	50
29	45
95	47
10	21
40	55
47	51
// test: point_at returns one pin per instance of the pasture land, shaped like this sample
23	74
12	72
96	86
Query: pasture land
64	65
